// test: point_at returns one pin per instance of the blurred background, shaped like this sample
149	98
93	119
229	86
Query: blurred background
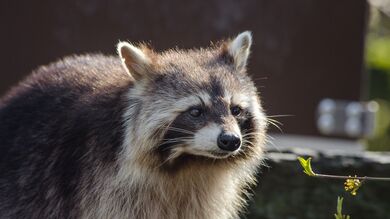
322	68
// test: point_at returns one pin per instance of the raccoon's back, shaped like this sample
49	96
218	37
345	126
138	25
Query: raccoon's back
55	126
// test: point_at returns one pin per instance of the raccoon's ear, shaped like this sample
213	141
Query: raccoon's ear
136	61
238	49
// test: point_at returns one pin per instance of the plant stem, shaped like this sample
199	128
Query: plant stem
352	177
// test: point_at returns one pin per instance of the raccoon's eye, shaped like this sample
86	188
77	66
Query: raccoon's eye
236	110
195	112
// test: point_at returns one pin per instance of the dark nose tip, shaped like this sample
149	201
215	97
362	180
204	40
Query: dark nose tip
228	142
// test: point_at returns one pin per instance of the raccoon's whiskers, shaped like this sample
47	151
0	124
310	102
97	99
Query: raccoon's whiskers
275	123
278	116
274	120
248	142
174	140
251	134
260	79
178	138
184	131
175	153
241	152
269	141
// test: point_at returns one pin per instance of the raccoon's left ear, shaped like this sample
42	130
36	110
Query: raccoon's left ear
238	49
137	61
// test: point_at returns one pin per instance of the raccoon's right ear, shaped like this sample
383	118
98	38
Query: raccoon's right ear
137	62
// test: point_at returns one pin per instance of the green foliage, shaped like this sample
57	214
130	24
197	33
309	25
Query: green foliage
378	63
305	163
284	192
339	214
378	52
351	184
380	141
378	66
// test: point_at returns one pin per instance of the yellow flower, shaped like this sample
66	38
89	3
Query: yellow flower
352	185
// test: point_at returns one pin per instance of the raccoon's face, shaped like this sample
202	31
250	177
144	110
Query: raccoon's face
197	102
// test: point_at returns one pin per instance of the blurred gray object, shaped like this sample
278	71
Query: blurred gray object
346	118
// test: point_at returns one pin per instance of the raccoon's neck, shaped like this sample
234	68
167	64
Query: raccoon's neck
203	194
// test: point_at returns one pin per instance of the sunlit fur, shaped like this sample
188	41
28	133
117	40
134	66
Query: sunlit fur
147	179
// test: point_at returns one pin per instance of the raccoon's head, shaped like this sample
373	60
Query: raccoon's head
193	103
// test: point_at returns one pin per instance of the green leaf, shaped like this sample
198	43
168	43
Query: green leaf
305	163
339	214
378	52
339	205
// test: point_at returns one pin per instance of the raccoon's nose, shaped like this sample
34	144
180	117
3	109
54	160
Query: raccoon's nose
228	141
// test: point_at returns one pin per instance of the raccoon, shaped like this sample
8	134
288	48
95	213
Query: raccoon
173	134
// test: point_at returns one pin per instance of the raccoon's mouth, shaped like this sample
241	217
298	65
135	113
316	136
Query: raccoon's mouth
211	154
220	155
179	149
